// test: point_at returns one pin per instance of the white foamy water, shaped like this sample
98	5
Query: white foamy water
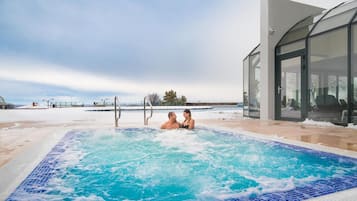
266	185
89	198
200	164
72	156
184	140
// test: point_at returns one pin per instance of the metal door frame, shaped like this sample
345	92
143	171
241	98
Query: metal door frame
303	83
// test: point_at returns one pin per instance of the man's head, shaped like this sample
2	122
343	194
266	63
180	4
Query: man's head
172	116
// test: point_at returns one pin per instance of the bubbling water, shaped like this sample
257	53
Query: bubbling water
149	164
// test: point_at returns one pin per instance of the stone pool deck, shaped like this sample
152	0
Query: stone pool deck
331	136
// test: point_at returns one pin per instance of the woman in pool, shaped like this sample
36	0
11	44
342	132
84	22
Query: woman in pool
189	123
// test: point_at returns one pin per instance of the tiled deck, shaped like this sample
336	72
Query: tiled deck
338	137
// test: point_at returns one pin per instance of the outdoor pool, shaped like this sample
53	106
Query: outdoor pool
204	164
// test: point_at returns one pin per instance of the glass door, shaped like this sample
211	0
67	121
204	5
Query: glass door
288	88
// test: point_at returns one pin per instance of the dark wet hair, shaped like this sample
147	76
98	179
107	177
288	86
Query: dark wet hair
170	114
187	111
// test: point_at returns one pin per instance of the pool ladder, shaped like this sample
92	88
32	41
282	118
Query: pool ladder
146	119
117	112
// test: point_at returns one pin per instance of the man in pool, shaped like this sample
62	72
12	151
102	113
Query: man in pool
171	123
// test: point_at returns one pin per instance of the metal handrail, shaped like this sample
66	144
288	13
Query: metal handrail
146	119
117	113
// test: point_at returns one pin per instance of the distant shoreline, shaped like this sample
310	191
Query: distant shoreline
140	108
127	105
210	103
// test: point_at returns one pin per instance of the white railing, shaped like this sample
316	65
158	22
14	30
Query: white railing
117	112
146	119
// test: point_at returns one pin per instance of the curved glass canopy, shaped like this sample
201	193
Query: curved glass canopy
300	30
338	16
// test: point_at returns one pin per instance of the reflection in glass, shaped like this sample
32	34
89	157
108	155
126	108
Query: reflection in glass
301	29
334	21
314	88
332	85
245	86
290	89
328	76
254	85
342	88
291	47
354	73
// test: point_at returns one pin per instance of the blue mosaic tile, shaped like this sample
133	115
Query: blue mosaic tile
42	173
314	189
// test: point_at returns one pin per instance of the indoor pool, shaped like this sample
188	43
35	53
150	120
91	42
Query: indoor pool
204	164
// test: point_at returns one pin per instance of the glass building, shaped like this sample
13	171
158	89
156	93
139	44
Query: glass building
315	69
251	85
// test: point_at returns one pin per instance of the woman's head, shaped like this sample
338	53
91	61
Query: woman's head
187	113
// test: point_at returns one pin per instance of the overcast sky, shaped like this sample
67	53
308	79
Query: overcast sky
88	49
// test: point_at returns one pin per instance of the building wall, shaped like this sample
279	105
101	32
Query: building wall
276	18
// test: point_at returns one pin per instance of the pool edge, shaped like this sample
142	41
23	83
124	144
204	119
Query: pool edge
275	138
16	171
52	140
346	195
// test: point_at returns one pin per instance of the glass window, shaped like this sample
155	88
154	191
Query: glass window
332	85
245	86
314	88
342	8
337	17
251	83
290	89
292	47
300	30
354	73
334	21
254	85
342	88
328	73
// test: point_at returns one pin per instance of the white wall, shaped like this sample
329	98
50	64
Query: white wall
280	16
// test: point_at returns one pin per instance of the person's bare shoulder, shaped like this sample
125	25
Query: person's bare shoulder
164	125
177	125
192	124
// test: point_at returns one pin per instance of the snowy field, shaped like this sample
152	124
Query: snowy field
65	115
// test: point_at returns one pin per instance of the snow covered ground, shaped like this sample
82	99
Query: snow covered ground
65	115
325	124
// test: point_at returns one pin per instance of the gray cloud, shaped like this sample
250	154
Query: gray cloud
194	42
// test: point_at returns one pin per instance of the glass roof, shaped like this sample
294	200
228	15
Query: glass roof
341	15
255	50
300	30
329	19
